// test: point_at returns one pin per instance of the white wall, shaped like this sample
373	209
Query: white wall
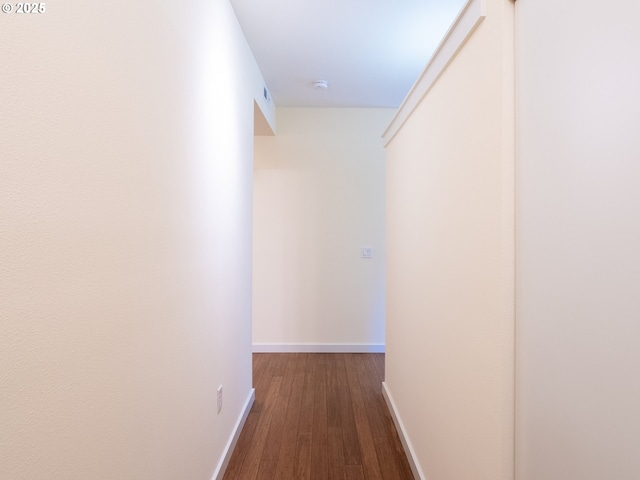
319	197
578	262
125	239
450	258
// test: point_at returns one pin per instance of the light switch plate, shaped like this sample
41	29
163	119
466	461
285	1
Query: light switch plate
366	252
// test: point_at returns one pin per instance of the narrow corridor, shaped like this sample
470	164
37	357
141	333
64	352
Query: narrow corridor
318	416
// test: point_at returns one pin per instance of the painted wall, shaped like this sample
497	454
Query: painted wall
450	280
578	230
125	239
318	197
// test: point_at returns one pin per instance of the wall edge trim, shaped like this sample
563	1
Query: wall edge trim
318	348
470	16
233	439
404	438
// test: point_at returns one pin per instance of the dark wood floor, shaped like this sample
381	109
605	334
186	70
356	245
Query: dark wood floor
318	416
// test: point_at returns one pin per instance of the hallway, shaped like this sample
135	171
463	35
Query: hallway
318	416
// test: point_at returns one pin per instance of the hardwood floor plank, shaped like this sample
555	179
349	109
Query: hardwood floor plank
333	393
354	472
318	417
305	426
303	458
370	387
259	363
335	446
276	427
367	447
400	456
319	462
244	442
378	363
262	380
386	459
336	472
251	462
288	447
280	364
335	453
352	455
389	433
267	471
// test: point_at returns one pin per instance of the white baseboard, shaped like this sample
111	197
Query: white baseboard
406	443
318	348
231	444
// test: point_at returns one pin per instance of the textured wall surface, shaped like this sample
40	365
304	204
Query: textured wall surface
319	197
578	230
125	238
450	256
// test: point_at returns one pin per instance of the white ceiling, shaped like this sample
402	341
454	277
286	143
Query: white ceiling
370	51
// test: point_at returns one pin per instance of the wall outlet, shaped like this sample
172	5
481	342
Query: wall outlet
219	398
366	252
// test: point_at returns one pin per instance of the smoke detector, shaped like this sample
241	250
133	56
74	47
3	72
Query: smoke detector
320	85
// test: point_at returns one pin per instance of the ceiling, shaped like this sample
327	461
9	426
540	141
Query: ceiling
369	51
